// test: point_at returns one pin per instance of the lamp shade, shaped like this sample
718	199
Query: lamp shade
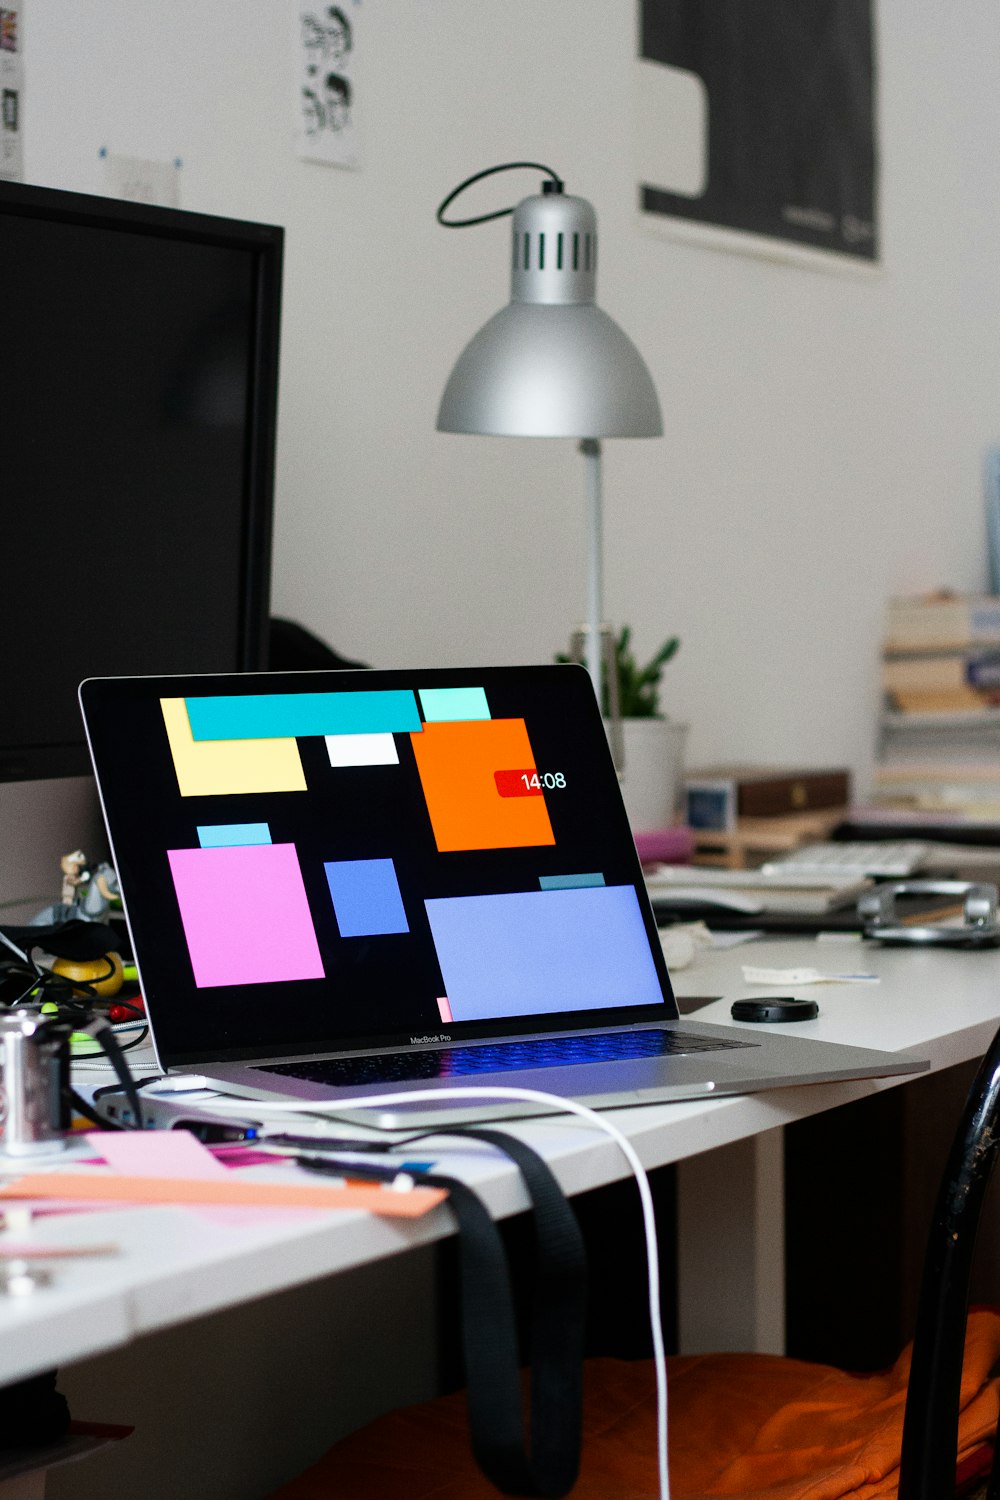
551	363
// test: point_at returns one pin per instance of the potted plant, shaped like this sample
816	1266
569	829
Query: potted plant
652	743
639	686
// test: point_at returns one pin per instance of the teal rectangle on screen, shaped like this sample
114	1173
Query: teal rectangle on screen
278	716
568	882
232	835
449	705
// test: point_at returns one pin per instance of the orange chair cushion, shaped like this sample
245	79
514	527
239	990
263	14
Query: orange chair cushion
753	1425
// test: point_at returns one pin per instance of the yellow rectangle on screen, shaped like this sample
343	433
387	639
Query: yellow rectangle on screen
218	768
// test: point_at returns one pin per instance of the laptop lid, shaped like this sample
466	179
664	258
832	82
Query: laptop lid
349	861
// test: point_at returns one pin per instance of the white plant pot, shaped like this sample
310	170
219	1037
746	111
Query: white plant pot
653	772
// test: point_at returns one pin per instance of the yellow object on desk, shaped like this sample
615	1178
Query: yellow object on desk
92	972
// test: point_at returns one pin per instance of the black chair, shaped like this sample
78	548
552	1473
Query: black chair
930	1428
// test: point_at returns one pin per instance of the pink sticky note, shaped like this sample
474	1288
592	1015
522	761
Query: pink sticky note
177	1154
156	1153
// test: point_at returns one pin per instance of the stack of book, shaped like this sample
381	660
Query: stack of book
939	745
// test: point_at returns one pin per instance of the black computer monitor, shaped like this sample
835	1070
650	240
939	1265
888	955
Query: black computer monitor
138	394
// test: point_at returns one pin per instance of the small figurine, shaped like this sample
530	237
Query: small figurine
100	893
73	868
87	894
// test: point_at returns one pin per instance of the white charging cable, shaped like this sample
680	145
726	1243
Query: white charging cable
565	1106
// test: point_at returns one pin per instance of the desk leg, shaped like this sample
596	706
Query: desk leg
731	1247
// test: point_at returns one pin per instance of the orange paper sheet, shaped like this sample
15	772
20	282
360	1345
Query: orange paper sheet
120	1189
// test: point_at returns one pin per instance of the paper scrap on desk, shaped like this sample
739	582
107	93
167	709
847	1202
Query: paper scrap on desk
25	1250
735	939
156	1153
167	1153
802	976
225	1192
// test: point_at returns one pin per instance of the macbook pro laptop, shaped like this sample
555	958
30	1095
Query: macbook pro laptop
340	883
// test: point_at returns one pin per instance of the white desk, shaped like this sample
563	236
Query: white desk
176	1267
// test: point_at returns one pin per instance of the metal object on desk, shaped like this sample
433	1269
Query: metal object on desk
880	918
18	1278
34	1079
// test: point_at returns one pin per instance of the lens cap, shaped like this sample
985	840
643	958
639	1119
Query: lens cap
775	1008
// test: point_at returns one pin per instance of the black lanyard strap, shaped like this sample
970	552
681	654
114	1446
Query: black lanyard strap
489	1326
557	1332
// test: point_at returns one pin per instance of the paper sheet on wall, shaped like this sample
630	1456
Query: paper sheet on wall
11	91
326	104
756	131
140	181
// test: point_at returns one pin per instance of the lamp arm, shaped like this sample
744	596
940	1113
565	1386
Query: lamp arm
599	646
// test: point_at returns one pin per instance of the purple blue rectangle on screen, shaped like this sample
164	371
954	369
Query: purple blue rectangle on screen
366	898
530	952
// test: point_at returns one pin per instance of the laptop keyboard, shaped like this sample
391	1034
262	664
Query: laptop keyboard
501	1057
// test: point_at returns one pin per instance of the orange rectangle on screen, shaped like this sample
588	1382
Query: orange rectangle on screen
457	763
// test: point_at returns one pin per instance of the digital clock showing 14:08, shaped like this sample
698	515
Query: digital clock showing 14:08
529	783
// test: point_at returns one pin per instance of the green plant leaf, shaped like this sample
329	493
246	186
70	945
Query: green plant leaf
638	687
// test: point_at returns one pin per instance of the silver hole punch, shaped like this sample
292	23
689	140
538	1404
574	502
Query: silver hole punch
880	917
34	1080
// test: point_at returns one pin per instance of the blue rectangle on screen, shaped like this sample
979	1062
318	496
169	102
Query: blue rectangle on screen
366	898
278	716
232	835
533	952
568	882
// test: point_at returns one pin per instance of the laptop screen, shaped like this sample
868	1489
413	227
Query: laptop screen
336	861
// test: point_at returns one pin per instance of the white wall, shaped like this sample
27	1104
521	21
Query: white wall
824	433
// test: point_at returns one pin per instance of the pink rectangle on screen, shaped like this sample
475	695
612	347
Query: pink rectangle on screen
245	914
445	1008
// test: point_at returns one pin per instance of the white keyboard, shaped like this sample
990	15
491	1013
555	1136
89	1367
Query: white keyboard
892	860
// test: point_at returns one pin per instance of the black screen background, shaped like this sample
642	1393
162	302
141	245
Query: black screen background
379	991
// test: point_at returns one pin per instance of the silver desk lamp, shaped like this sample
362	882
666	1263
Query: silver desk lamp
551	363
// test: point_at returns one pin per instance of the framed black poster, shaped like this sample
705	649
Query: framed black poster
757	118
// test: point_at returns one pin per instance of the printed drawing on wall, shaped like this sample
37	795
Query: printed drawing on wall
11	92
326	106
756	126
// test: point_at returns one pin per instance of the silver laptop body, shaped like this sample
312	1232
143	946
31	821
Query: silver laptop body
343	884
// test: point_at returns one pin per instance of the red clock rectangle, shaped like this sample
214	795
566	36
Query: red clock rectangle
518	783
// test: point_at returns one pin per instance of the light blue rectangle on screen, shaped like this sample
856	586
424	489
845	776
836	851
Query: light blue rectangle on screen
568	882
534	952
366	898
232	835
449	705
278	716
